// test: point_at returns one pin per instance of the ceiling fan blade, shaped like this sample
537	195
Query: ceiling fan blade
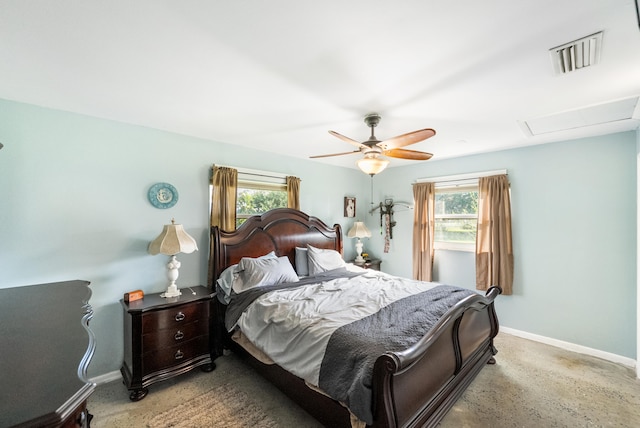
334	154
347	139
407	154
407	139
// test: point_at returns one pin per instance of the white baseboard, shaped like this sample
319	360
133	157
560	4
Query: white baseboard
106	378
619	359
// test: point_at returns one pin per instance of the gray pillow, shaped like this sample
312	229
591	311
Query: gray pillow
260	272
225	280
302	266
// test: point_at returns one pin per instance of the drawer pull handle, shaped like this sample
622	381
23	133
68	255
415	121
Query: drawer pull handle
180	316
179	355
82	419
179	335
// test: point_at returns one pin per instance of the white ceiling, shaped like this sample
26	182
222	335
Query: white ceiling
277	75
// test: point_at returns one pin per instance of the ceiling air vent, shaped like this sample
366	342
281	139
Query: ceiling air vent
578	54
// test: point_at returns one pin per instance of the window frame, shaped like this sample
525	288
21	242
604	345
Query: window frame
461	186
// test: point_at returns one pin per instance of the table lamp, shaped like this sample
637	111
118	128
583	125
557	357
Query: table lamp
359	230
173	240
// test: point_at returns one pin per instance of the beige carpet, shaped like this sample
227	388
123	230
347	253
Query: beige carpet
532	386
223	406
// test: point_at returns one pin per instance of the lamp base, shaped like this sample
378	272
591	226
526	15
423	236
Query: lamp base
359	245
171	293
172	274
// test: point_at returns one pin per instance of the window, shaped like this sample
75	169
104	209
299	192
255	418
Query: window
258	193
456	209
456	213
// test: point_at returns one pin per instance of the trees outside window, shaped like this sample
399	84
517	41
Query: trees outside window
258	199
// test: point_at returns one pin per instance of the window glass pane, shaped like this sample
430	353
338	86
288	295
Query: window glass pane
251	201
459	230
457	202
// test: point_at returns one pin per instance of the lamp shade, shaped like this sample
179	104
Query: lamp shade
359	230
372	164
173	240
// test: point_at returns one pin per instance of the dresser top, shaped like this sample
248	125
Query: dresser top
45	347
154	301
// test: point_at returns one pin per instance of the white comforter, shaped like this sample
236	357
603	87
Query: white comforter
293	326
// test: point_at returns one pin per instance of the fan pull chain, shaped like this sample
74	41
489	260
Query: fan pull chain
371	210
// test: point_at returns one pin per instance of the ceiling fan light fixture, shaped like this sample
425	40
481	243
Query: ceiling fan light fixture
372	149
372	164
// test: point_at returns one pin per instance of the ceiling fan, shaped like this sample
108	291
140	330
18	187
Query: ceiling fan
373	149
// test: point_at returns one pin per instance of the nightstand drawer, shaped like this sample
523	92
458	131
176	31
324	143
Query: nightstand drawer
174	355
174	317
173	336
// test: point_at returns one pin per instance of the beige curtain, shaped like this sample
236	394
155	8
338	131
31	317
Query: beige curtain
293	192
423	230
494	252
224	183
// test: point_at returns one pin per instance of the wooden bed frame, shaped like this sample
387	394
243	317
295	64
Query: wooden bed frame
412	388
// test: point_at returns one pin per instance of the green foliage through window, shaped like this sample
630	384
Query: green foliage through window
257	201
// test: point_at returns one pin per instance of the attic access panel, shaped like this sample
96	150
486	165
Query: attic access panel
594	115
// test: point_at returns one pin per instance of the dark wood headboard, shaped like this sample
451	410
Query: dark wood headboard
280	230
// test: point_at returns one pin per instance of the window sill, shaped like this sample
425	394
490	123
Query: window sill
453	246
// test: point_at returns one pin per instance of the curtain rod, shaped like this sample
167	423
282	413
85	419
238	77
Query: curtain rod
256	172
459	177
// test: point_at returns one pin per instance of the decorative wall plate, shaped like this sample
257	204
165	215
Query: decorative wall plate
163	195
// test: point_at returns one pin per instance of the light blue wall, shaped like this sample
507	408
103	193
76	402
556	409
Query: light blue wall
447	267
73	205
574	236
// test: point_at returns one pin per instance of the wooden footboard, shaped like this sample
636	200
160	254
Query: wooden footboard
416	387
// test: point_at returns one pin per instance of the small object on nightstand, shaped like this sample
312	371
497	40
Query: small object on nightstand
166	337
369	264
132	296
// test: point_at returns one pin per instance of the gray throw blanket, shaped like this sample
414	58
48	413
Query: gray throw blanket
347	367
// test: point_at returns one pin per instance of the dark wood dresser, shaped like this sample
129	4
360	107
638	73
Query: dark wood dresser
45	348
165	337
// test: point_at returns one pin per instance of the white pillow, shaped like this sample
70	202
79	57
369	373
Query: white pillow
270	255
253	273
302	266
321	260
225	280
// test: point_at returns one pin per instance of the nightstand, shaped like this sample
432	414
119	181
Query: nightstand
369	264
166	337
